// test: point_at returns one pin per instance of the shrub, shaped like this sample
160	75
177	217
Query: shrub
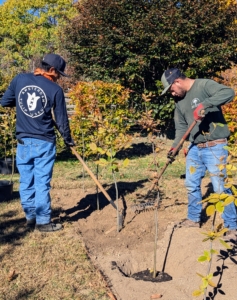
230	110
7	131
102	116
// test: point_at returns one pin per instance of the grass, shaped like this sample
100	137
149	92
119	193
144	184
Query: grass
45	266
139	168
37	265
56	266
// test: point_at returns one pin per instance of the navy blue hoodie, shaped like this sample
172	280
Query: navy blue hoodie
35	97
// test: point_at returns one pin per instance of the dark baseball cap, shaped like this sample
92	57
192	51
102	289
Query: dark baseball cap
169	77
56	61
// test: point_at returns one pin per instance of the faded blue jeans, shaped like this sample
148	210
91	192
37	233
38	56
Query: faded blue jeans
197	162
35	160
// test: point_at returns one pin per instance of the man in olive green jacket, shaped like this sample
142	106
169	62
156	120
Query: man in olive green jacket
208	138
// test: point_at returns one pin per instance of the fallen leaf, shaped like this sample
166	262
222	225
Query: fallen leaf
156	296
192	170
111	296
11	275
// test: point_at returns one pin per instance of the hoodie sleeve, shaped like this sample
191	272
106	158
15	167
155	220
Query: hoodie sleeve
9	97
218	94
61	117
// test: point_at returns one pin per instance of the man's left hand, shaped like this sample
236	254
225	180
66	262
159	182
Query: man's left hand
171	156
170	153
70	143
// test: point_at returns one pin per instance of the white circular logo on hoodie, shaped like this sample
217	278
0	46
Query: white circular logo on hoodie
195	102
32	101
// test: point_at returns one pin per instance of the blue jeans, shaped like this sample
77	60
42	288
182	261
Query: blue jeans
202	159
35	160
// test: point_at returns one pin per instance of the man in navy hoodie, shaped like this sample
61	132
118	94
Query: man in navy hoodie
39	101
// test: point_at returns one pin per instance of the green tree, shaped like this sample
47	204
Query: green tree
28	29
134	41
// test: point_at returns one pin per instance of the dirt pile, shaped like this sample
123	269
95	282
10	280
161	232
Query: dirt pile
120	255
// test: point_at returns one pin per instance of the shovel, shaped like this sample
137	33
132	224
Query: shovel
93	177
120	216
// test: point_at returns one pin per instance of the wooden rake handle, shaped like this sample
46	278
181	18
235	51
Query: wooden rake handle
176	149
93	177
180	144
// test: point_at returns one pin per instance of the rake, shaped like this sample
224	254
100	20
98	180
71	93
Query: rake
137	208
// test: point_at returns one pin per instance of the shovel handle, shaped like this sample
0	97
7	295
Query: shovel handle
90	173
93	177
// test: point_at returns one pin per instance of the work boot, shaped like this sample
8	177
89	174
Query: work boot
31	223
48	227
188	223
231	236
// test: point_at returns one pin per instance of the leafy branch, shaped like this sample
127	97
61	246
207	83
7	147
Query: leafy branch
216	204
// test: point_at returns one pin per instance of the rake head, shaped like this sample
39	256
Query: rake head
143	207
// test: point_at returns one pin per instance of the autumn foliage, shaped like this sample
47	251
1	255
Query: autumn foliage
230	110
28	30
102	116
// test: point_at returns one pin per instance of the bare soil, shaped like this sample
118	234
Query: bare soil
121	254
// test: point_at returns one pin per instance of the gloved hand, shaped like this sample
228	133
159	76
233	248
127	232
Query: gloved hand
198	113
69	143
170	153
185	152
171	156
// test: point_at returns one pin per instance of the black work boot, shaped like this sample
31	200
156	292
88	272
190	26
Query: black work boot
30	224
48	227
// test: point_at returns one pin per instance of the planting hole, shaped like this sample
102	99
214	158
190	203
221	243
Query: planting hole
128	270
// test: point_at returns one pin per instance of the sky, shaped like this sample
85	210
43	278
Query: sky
1	1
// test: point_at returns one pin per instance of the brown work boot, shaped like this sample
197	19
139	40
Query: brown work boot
188	223
230	236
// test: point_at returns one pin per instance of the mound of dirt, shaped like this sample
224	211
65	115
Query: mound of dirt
120	255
